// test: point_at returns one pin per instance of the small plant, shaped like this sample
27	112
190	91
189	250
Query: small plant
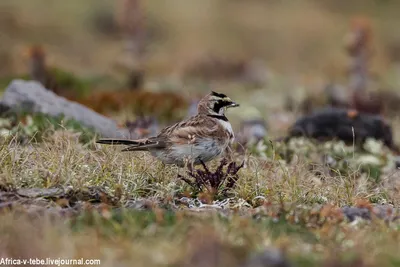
214	182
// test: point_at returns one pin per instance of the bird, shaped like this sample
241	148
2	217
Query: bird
190	142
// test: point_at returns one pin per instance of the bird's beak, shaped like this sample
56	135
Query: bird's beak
232	105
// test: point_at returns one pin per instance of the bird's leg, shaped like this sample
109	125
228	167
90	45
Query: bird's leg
191	166
178	172
185	165
228	155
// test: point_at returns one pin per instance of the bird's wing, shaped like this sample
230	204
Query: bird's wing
190	130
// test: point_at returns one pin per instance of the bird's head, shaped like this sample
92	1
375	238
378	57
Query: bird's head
215	104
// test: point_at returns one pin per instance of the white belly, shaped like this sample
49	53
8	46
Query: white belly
205	150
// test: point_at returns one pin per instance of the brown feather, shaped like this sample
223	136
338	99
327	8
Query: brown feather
195	128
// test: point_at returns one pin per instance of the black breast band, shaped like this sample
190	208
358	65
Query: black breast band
220	117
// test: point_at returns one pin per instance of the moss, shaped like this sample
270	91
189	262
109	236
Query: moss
70	82
37	126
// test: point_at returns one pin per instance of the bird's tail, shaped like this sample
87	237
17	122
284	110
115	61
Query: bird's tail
110	141
133	145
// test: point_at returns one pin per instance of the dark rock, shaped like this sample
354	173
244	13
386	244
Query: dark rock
397	161
4	109
352	213
337	123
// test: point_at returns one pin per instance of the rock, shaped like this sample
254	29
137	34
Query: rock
397	161
383	212
141	204
352	213
40	192
31	96
343	124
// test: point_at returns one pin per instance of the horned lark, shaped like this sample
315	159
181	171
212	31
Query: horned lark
198	139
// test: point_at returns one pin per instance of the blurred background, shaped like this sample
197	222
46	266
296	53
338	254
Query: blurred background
130	58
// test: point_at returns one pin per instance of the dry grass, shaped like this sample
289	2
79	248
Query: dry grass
62	161
160	234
